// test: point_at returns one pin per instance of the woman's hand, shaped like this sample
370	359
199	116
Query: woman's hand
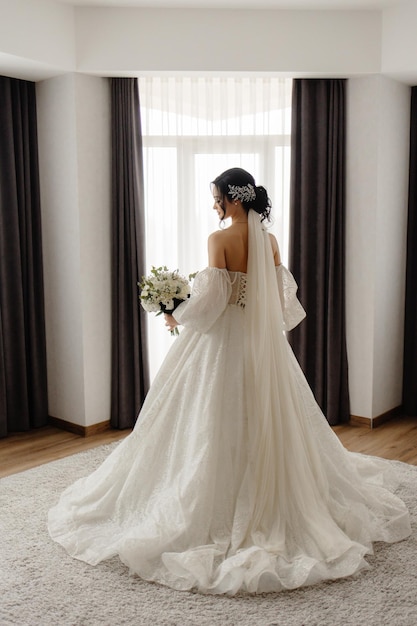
170	322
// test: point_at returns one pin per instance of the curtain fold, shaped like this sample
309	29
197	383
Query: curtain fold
410	325
130	377
317	239
23	377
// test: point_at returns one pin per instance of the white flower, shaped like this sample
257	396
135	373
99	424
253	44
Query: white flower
163	290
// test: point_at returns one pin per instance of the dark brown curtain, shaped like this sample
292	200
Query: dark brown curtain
317	239
130	376
410	329
23	386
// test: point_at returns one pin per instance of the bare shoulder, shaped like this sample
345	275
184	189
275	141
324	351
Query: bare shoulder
216	240
216	236
274	242
216	251
275	249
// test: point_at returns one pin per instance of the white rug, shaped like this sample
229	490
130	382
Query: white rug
41	586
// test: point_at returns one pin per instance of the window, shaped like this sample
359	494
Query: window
193	128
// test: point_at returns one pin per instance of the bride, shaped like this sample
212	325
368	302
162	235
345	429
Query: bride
232	480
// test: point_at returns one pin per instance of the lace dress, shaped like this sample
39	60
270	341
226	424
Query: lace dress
181	500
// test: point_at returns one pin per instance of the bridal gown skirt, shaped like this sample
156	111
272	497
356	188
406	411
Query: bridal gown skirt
175	499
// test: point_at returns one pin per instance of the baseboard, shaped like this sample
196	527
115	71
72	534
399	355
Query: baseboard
94	429
358	420
374	422
83	431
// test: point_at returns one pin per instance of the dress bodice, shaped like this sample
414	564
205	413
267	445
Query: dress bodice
214	289
238	282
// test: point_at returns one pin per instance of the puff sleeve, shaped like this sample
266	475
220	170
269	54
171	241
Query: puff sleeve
292	310
209	297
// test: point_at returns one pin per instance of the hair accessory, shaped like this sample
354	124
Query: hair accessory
246	193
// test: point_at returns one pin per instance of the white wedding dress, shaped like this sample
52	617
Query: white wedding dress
232	480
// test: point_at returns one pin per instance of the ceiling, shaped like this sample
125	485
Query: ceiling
242	4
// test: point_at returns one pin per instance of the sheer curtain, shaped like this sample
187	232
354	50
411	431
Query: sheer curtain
193	128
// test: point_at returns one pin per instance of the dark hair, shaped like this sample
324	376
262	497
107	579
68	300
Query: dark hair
241	178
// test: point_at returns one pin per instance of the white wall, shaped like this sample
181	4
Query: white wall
361	199
118	41
399	42
74	153
61	247
37	39
377	187
94	187
391	242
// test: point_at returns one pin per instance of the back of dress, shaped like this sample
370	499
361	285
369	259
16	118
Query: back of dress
232	480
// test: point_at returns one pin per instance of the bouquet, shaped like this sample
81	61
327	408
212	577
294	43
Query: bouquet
162	291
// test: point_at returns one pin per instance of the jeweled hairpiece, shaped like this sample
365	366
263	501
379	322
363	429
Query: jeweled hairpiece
246	193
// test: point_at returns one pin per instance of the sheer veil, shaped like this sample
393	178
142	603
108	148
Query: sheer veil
270	393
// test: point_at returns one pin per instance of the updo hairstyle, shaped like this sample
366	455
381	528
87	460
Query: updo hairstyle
236	176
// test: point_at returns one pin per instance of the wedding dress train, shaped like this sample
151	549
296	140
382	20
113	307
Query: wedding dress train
232	479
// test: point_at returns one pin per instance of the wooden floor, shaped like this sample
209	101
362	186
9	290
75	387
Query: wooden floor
21	451
396	440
